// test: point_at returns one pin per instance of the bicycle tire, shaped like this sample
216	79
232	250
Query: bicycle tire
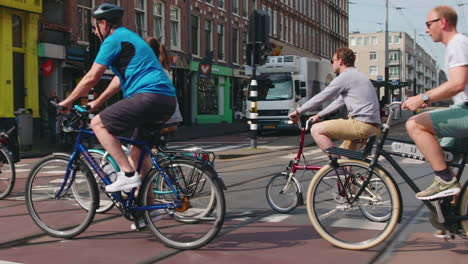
288	193
464	208
189	175
7	173
103	159
184	227
341	223
60	217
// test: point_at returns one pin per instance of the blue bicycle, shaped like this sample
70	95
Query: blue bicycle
185	209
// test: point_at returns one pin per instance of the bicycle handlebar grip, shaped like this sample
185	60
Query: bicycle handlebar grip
59	107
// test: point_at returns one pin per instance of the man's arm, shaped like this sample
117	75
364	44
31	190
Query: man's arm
88	82
333	106
458	80
111	90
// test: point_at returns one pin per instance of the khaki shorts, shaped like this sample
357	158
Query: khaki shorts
354	133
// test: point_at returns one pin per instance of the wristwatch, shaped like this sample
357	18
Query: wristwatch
425	98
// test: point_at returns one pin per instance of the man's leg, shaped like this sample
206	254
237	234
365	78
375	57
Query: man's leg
318	132
127	178
420	128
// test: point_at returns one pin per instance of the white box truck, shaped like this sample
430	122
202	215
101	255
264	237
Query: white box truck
285	83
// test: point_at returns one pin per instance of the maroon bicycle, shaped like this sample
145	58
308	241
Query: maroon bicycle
283	191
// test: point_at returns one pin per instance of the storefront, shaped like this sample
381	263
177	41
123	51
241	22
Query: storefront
211	98
19	22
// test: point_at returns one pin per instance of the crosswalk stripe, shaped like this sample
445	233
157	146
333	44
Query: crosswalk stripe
275	218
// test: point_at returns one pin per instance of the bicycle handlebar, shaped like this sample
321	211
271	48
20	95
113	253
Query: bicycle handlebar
391	107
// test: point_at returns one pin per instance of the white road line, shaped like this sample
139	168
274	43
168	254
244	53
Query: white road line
275	218
8	262
359	224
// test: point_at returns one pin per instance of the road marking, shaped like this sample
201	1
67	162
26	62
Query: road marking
8	262
359	224
275	218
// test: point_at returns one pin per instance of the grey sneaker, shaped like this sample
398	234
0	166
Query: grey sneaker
439	188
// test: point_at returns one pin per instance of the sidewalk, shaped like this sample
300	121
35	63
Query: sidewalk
238	127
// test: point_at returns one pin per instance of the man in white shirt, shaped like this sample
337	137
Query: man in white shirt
452	122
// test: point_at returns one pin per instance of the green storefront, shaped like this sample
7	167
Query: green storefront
212	98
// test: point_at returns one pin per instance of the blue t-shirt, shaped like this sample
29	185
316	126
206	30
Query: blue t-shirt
130	58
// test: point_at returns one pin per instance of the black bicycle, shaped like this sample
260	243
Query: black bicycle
7	167
341	190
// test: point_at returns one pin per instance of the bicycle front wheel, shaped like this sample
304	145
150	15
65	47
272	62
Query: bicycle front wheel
200	206
110	166
55	209
282	194
342	221
7	173
464	209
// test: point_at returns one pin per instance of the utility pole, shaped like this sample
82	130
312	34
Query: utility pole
387	84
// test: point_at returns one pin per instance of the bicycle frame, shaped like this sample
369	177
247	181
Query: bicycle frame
379	151
79	148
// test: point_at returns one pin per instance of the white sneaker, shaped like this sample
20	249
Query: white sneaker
155	215
124	182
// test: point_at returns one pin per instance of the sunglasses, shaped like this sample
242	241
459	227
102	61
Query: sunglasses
429	23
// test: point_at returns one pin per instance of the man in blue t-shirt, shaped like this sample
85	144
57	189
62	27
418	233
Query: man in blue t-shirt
148	93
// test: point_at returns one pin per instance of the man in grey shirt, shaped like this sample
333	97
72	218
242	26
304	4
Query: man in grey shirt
354	90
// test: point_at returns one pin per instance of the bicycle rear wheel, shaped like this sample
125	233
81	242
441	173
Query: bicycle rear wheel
201	214
7	173
61	215
342	222
282	195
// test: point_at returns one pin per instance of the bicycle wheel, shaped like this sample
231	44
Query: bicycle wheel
373	209
464	208
110	167
202	210
7	173
342	222
190	175
281	194
61	216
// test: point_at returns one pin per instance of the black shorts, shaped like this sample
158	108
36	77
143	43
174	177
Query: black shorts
133	113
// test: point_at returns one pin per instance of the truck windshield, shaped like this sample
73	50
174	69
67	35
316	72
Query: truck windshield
275	87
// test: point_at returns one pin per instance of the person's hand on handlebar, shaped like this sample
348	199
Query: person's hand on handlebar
294	116
315	118
414	103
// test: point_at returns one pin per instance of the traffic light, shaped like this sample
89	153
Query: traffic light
259	38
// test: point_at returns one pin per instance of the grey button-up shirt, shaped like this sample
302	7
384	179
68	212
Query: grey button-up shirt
354	90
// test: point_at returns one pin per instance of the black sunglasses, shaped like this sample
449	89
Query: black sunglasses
429	23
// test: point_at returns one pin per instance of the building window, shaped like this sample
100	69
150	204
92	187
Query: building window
235	6
140	17
208	37
158	21
209	2
244	45
220	33
394	57
17	31
396	39
352	41
84	20
394	72
175	27
245	8
235	45
359	41
373	55
373	71
195	35
374	40
366	41
221	4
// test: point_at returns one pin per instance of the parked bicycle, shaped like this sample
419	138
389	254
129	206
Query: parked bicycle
178	217
7	166
342	188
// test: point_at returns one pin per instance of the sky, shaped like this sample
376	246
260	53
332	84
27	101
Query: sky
367	16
